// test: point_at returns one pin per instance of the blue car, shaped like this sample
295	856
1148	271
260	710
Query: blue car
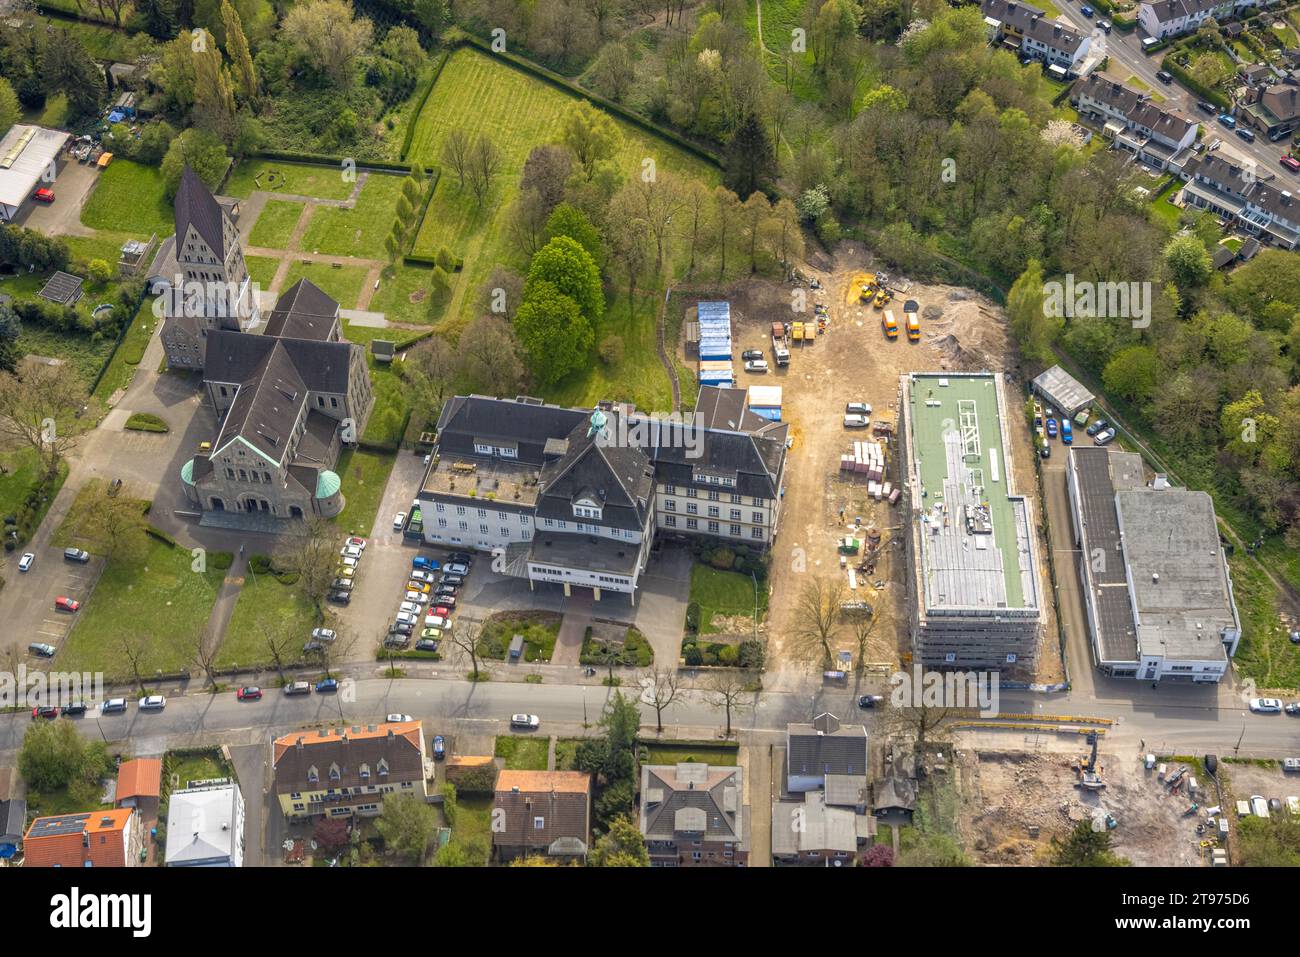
1227	121
1067	432
1051	428
327	684
1086	11
427	564
439	748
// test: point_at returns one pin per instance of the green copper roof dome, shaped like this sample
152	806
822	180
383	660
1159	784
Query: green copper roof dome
328	484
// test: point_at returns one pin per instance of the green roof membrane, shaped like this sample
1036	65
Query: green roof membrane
975	532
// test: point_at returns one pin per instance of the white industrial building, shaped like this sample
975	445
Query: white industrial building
28	160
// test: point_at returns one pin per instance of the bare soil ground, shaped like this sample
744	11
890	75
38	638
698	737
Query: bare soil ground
1007	793
853	362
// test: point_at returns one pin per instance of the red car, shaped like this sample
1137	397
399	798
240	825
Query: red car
1291	163
44	195
442	611
249	694
45	711
64	603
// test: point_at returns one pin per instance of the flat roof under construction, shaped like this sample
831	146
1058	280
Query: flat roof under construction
974	539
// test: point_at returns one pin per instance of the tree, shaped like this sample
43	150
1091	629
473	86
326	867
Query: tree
10	108
878	855
407	825
131	645
113	7
10	328
491	355
622	845
553	331
240	57
37	410
481	166
465	636
563	263
54	756
1031	325
201	151
546	171
281	639
726	215
663	688
331	834
455	153
697	201
312	556
817	616
567	220
431	369
214	100
68	69
754	214
1133	373
114	525
591	134
327	35
1085	847
629	239
614	70
159	18
748	163
659	199
1188	262
727	689
1269	842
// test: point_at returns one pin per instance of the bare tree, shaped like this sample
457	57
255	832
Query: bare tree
114	525
132	645
313	557
332	652
38	410
726	216
526	222
660	198
727	689
663	690
628	235
817	616
696	202
455	153
482	164
491	354
281	638
432	368
465	636
204	655
922	721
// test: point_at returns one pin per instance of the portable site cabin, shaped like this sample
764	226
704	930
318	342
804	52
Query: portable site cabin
714	320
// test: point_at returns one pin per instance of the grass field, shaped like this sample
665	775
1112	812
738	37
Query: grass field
523	754
668	753
262	599
517	112
364	474
342	283
81	352
1266	653
262	269
275	224
129	196
406	296
22	467
359	231
723	593
322	182
121	368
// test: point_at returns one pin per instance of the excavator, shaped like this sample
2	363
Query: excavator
1089	776
869	288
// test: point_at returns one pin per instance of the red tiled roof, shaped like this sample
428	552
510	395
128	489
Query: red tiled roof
140	777
72	840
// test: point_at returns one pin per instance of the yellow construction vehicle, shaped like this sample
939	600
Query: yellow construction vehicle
882	298
869	288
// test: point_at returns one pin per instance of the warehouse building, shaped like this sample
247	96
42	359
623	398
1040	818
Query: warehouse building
971	558
28	161
1063	391
1155	579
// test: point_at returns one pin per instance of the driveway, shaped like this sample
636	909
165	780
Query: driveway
661	608
259	804
73	183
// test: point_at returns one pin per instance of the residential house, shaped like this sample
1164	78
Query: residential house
286	402
205	827
1029	32
1155	136
1245	198
340	772
544	813
814	832
693	815
576	497
86	839
824	747
139	783
1170	18
1273	110
212	289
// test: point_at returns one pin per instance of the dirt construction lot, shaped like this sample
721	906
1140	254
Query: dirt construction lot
852	361
1005	794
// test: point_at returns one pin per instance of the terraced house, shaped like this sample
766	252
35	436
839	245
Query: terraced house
1155	136
340	772
1244	197
576	497
1029	32
1170	18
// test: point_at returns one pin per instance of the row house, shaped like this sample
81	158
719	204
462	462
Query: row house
1170	18
1273	110
1155	136
1238	195
1031	33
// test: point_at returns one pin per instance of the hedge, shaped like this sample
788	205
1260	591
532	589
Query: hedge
323	159
160	535
221	560
146	422
1186	79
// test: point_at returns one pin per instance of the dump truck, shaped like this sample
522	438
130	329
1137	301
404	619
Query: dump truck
890	324
780	352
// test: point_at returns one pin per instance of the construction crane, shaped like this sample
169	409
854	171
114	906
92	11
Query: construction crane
1089	776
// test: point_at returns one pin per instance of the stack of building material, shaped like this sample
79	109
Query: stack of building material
715	343
867	458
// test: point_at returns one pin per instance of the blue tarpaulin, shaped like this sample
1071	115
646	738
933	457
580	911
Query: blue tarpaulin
772	415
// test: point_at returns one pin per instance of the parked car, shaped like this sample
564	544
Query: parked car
445	601
1105	25
398	718
113	706
1246	134
1097	426
419	575
153	702
312	646
1086	11
1291	764
324	634
41	649
1067	432
527	721
26	562
297	688
74	709
76	555
422	587
348	561
345	571
401	628
752	354
1226	120
1165	77
431	633
1045	451
442	611
342	584
339	597
396	640
857	408
409	607
416	598
357	542
455	581
1293	708
1104	437
870	700
64	603
435	621
1265	705
1205	107
405	617
755	365
350	551
426	644
1291	163
43	195
464	558
45	711
445	591
249	694
399	520
458	568
1051	428
420	563
327	684
855	421
439	748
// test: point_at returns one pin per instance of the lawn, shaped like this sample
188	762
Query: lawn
343	283
201	766
158	596
388	418
129	197
523	754
288	179
1266	653
723	593
275	224
364	474
80	351
262	599
121	368
359	231
19	481
261	269
518	112
405	296
540	629
669	753
473	825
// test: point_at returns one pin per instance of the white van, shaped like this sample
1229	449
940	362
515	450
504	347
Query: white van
1258	806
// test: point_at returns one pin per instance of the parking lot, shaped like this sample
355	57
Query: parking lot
853	361
50	577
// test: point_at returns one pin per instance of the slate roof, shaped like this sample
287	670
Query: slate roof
1033	22
195	206
529	425
562	799
690	799
1168	10
810	751
618	477
1136	107
303	311
348	752
266	407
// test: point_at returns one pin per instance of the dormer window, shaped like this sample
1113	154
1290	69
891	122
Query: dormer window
334	772
365	772
383	769
586	508
313	775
